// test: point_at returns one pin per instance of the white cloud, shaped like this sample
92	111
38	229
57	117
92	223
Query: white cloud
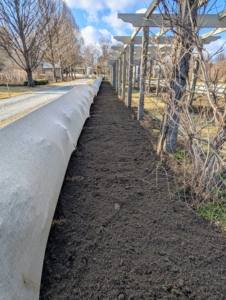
215	46
141	11
92	7
97	5
92	35
117	24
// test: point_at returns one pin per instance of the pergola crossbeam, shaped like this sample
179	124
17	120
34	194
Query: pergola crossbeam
212	33
161	40
157	20
148	13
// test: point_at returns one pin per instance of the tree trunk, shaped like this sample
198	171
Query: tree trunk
54	72
30	81
194	78
72	73
145	41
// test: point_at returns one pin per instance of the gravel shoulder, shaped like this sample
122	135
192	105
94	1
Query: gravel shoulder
116	234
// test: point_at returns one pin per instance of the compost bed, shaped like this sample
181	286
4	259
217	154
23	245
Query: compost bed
117	235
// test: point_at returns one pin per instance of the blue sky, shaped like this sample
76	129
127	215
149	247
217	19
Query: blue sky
98	18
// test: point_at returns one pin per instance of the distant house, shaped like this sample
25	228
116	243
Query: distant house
89	71
47	69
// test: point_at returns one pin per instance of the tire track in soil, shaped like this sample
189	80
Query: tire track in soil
115	237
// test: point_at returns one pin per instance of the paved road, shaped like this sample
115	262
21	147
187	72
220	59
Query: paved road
200	87
14	107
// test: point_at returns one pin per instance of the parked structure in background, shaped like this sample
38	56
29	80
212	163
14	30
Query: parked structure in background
47	70
89	71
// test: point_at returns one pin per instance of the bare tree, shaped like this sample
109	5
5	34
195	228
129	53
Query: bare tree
52	29
186	15
105	46
66	43
91	54
220	57
202	128
23	31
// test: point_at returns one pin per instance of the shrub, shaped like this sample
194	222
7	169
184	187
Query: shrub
38	82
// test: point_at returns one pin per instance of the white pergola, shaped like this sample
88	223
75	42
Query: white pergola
118	57
162	39
157	20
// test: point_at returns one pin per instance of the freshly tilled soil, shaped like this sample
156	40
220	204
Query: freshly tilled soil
116	233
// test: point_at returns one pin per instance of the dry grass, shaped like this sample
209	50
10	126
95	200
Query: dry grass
150	103
91	81
20	90
59	222
156	108
16	90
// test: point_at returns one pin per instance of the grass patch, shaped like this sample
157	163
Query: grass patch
91	81
181	154
213	212
156	131
16	90
20	90
150	103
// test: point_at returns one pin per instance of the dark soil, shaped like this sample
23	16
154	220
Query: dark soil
118	235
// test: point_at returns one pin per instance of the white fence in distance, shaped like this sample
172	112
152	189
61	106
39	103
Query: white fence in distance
35	151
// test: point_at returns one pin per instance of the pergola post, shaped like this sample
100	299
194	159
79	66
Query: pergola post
138	76
126	72
111	75
134	74
130	83
123	75
119	75
158	82
114	76
145	40
149	74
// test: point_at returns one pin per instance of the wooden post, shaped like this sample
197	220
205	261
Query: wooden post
138	76
119	75
110	76
127	71
158	82
134	74
123	75
149	75
130	83
114	76
145	40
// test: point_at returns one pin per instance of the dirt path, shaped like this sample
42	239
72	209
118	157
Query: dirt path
116	236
